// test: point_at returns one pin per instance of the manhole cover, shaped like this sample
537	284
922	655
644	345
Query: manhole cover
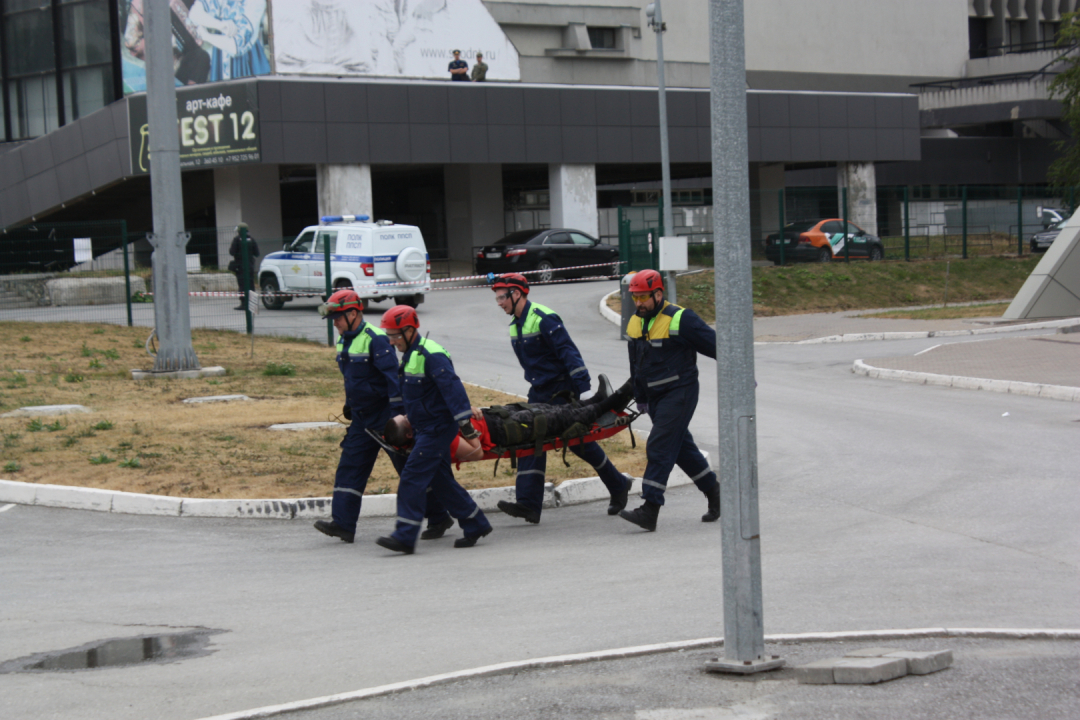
117	652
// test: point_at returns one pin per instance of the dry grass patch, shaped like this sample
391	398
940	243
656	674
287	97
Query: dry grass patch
141	437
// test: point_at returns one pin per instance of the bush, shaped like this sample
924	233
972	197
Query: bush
284	368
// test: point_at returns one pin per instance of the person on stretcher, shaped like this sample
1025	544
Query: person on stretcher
510	425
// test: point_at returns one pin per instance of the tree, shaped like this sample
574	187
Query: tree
1065	171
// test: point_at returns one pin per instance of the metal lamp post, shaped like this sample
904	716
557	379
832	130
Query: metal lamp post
744	636
172	317
654	12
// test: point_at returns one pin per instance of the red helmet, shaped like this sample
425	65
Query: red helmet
645	281
398	317
511	281
340	302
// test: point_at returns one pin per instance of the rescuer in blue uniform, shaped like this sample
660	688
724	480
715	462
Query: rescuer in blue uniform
664	343
437	408
369	366
556	374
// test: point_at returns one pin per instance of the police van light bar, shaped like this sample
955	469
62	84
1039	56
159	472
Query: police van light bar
344	218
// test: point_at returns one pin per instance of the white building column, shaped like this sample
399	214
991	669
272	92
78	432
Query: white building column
474	207
860	179
249	194
572	189
344	190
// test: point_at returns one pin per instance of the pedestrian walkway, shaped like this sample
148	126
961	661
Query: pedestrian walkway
1049	360
992	677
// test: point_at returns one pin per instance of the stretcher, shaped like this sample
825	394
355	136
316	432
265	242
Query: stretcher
607	425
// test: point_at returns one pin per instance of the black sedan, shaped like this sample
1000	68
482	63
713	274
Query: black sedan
547	251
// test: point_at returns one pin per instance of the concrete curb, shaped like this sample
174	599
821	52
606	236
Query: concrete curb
864	337
613	317
1013	387
629	652
569	492
607	313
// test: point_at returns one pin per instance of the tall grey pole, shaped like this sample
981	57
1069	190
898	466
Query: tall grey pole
171	312
657	24
744	635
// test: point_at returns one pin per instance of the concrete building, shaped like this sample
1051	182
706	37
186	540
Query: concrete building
324	126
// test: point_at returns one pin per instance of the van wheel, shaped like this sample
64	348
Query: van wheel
272	299
824	255
876	254
409	300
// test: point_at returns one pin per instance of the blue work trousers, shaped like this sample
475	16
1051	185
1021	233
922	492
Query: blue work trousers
358	455
532	470
429	465
671	444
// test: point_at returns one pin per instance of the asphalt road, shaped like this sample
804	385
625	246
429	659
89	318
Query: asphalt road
883	505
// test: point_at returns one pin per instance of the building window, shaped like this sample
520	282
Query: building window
34	101
603	38
86	57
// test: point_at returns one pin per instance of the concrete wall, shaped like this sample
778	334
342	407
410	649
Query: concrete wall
1053	288
90	291
854	37
826	45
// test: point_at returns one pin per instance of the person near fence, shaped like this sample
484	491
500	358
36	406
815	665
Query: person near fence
664	343
458	68
237	249
438	409
479	70
372	396
556	375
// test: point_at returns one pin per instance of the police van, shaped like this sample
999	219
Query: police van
378	260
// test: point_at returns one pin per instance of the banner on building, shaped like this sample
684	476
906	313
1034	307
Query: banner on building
388	38
218	125
213	40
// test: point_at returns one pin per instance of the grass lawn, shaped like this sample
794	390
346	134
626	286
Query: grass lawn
861	285
141	437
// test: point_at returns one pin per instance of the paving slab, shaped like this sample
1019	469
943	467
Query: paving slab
217	399
47	410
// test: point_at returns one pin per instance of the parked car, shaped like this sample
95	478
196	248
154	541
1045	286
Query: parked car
379	260
547	251
823	240
1041	241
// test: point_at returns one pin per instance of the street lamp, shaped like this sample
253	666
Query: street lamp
654	12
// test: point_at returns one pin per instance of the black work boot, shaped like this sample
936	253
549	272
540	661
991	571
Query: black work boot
334	530
396	545
519	511
619	498
604	388
470	540
644	516
714	505
434	532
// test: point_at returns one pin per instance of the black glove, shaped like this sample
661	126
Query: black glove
346	412
468	431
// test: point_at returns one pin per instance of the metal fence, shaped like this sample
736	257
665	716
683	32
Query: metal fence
923	222
99	272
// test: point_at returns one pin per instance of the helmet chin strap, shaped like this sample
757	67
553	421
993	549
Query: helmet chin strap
513	303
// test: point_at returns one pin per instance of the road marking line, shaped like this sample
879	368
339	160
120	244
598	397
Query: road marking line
928	349
6	508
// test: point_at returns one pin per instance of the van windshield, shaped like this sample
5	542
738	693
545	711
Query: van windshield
303	243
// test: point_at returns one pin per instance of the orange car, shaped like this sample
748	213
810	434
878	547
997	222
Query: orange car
823	240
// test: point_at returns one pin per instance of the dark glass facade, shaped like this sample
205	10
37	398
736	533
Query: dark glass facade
56	63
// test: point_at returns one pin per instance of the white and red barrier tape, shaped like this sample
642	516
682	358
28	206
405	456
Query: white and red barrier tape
362	288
